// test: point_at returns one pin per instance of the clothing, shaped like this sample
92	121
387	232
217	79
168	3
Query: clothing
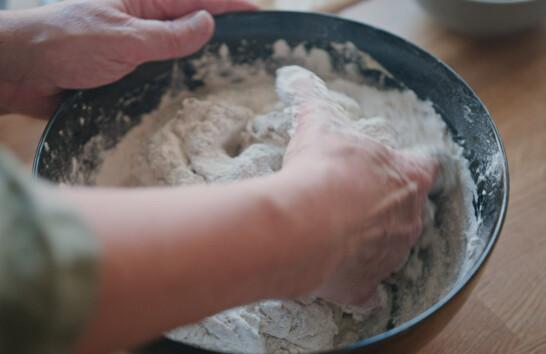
48	266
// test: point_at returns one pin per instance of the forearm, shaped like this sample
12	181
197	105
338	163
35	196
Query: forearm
172	257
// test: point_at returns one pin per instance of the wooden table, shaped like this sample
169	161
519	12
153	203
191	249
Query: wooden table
506	313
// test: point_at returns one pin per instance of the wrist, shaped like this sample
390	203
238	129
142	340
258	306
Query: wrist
308	234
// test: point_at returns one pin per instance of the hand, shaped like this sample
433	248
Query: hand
84	44
369	197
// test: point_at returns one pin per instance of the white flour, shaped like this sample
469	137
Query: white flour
234	128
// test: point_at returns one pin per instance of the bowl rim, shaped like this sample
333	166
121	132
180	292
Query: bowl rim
461	283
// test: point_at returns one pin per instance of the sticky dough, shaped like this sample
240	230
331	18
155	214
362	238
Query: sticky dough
217	141
207	139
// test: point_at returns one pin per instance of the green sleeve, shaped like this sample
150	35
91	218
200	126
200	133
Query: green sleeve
48	266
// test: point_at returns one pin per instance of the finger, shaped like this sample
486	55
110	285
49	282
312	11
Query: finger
41	108
421	168
29	103
446	178
404	205
162	40
296	85
172	9
308	96
436	171
357	294
349	290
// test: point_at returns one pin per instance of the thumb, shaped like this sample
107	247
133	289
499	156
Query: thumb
162	40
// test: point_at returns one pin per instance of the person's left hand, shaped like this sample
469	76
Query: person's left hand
84	44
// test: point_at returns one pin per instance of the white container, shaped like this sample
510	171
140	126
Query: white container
486	18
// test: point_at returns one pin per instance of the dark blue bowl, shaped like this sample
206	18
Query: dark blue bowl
250	36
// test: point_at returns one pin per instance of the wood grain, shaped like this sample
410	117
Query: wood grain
507	311
20	135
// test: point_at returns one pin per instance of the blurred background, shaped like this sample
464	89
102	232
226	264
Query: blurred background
22	4
499	48
317	5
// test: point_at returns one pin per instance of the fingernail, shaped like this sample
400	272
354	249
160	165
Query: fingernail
199	18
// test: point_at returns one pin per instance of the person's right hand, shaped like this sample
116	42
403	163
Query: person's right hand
370	198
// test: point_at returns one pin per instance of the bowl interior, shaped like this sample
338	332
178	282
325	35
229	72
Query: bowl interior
86	114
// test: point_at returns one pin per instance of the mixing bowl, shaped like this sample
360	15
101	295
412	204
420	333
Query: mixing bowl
487	18
250	36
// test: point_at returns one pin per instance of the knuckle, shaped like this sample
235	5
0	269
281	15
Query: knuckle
413	190
381	154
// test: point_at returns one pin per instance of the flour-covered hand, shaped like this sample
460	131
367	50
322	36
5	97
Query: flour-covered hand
82	44
368	198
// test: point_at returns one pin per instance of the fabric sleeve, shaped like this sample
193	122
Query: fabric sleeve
48	266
